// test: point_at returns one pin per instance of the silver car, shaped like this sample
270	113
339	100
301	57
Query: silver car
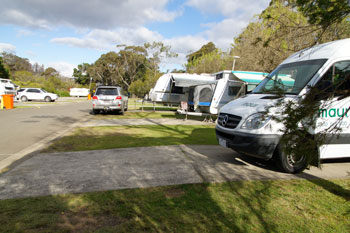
109	98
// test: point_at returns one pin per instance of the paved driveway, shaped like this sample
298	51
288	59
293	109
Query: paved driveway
75	172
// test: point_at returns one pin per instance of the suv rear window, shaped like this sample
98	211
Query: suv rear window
107	91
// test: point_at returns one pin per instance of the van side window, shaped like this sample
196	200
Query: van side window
339	77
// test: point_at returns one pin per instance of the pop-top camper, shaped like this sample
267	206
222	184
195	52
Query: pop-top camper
172	88
7	87
229	85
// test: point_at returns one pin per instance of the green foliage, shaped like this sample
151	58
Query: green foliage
324	13
210	63
49	72
3	71
81	74
141	87
204	50
130	64
15	63
279	31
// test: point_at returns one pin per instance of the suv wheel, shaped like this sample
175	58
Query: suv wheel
24	98
47	99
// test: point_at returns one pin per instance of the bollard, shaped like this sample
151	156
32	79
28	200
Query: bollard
89	96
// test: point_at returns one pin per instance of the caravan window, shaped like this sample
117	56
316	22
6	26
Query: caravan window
233	90
219	76
177	90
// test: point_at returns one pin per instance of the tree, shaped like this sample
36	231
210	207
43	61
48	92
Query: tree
210	63
15	63
280	30
323	13
142	87
81	74
205	49
50	72
3	71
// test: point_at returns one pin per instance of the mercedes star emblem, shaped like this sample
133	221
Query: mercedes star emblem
225	120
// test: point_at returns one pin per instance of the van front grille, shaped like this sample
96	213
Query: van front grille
228	120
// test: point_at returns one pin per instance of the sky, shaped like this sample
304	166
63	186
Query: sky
62	34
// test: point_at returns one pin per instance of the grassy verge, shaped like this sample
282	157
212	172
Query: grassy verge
249	206
148	114
97	138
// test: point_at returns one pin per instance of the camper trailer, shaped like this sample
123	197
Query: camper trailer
229	85
7	87
173	88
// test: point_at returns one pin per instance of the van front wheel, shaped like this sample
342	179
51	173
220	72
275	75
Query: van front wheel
289	163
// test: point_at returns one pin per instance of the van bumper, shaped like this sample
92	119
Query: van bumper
259	146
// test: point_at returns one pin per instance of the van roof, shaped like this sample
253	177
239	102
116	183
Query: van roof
330	50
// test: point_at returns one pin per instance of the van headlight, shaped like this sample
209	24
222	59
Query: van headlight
256	121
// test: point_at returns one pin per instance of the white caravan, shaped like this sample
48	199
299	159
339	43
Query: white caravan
229	85
173	88
78	92
243	126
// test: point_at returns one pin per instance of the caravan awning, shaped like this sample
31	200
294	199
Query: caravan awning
189	80
250	77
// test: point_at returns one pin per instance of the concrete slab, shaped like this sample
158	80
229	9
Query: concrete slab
86	171
75	172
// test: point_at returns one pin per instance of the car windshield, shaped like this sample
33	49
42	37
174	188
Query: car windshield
107	91
289	78
43	90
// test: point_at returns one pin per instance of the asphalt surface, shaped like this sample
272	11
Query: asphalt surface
24	130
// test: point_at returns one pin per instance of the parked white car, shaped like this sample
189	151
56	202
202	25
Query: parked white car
25	94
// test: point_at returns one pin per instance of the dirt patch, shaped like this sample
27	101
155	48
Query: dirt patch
174	192
83	222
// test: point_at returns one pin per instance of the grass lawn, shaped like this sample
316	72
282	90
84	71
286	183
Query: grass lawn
249	206
97	138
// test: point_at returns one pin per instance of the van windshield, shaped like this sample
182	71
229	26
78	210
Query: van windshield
289	78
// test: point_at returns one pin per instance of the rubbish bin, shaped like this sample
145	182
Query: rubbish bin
7	101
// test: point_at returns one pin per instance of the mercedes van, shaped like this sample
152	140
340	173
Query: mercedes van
244	125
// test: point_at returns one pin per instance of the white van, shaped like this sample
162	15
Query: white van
243	126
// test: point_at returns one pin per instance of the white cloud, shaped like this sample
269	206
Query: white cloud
104	40
24	32
8	48
64	68
102	14
230	8
237	15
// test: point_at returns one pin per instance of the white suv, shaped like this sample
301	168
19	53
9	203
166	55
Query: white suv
109	98
25	94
